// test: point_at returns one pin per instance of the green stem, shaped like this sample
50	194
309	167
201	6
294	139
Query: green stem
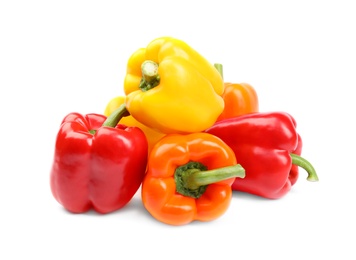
150	77
192	178
219	67
114	118
302	162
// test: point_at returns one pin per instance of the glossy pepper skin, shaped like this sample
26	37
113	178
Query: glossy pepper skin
152	135
172	88
208	192
96	167
268	146
239	98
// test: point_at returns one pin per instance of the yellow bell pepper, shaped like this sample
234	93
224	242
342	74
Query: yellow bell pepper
170	87
151	135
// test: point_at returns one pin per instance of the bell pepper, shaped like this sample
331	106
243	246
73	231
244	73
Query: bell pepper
152	135
189	178
172	88
97	163
239	98
269	148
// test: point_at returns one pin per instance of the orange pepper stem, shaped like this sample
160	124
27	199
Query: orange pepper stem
219	67
193	178
150	77
306	165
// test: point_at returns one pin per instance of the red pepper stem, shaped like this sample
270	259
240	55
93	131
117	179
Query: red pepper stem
219	67
306	165
150	76
114	118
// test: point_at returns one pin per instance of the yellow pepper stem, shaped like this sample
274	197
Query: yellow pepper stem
150	77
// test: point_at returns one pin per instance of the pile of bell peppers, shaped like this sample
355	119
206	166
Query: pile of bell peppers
179	136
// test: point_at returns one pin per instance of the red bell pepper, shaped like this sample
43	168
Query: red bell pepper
98	164
268	146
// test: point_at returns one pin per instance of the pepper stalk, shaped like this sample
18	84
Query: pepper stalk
114	118
306	165
193	178
150	76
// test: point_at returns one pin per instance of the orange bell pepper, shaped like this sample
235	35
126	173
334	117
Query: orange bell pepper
239	98
189	178
151	135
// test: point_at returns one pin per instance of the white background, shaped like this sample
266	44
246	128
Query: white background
58	57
